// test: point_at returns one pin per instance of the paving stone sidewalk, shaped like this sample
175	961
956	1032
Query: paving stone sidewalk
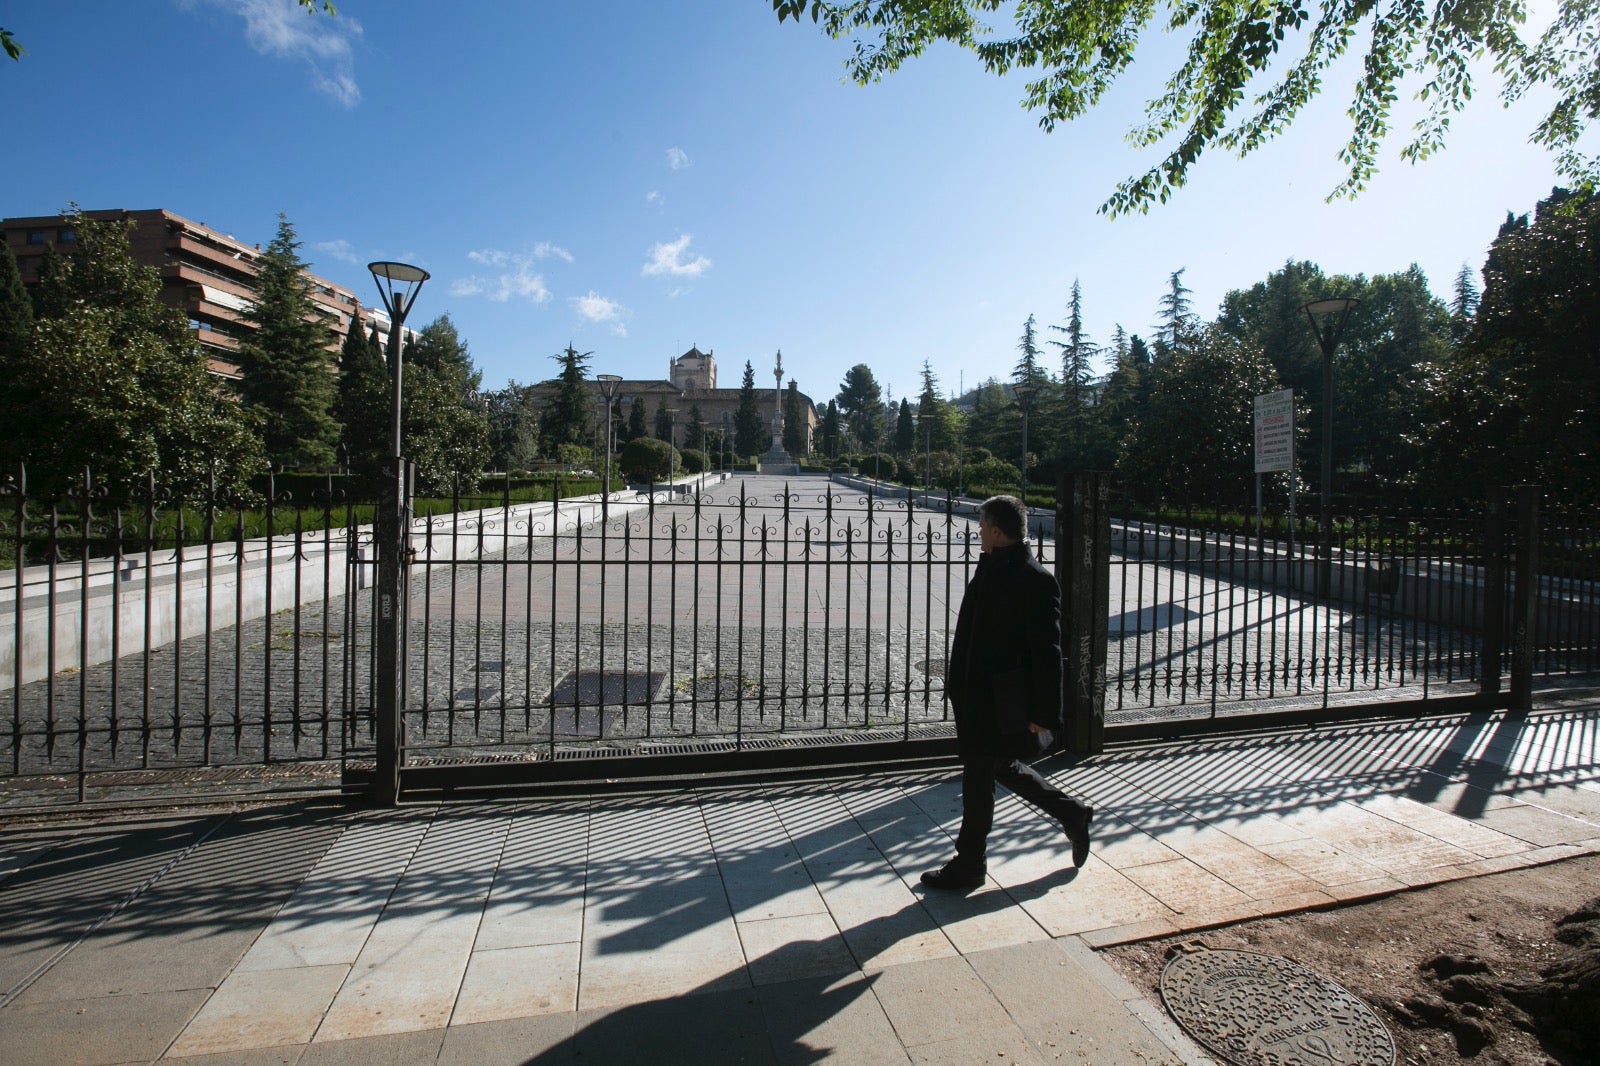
771	924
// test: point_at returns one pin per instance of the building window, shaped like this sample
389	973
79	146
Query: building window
37	236
67	235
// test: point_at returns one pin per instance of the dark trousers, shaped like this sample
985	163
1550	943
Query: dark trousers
978	776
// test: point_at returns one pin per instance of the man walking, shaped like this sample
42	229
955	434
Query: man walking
1004	682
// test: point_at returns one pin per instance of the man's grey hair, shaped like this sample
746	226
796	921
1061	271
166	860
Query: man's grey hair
1007	514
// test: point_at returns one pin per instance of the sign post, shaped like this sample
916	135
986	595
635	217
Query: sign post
1275	447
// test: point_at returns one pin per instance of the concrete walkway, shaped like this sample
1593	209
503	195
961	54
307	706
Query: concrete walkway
777	924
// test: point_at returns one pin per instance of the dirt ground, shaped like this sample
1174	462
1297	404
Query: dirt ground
1482	971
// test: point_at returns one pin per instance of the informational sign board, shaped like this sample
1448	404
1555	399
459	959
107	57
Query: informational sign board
1275	432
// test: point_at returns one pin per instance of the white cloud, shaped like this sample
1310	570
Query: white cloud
283	29
599	310
677	158
669	259
653	197
340	250
515	277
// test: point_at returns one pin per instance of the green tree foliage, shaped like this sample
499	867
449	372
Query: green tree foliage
1029	370
830	430
1196	444
1072	433
288	380
1398	327
16	306
860	403
1248	70
1521	400
111	379
513	427
749	433
363	405
694	430
647	459
794	422
637	426
445	426
936	419
663	421
568	417
905	429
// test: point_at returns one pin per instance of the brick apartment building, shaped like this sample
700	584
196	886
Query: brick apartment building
210	276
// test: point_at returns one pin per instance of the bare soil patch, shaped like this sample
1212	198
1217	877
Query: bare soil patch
1499	970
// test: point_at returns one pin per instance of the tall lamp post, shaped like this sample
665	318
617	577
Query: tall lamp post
398	285
1327	318
609	383
672	449
1024	393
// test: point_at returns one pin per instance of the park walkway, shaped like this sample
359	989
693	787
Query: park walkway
777	923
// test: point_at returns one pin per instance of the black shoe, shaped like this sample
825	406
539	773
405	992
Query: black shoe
1077	828
956	875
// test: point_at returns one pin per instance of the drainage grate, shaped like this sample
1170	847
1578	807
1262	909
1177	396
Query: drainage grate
1252	1009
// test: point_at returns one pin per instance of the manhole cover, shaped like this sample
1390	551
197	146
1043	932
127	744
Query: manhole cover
1261	1010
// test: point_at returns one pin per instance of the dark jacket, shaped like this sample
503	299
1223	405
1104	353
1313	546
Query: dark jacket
1007	647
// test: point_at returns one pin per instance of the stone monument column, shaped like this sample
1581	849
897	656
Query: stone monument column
777	460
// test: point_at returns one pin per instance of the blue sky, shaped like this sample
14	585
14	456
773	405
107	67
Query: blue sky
634	178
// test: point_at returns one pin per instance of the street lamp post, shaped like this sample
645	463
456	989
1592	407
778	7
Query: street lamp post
672	450
398	286
1327	318
1024	393
609	383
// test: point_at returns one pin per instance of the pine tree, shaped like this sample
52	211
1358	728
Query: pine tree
694	436
1463	306
749	437
905	429
1028	371
569	416
1177	320
288	380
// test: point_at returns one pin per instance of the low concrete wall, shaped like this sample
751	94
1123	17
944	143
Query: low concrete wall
152	599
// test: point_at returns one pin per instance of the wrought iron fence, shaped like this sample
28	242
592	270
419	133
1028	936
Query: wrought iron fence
726	616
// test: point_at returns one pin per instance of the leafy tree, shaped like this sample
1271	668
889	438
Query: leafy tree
513	427
860	402
568	418
445	424
1196	442
112	379
1127	390
794	422
1216	98
363	404
1521	401
287	370
749	435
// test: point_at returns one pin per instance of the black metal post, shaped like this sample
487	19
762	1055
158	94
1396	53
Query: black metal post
1083	569
1525	601
1491	662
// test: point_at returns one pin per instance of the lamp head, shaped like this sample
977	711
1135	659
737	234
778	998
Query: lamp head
398	285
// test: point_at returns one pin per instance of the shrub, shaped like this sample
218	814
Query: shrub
881	466
647	459
692	461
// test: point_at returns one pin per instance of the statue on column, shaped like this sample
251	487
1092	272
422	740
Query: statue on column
777	460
